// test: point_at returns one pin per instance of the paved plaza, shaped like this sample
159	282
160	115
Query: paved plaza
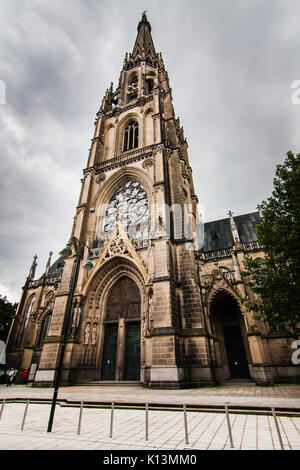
205	429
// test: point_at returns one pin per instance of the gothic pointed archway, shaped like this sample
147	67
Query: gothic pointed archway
232	347
122	327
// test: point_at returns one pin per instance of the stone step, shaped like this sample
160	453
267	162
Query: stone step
124	383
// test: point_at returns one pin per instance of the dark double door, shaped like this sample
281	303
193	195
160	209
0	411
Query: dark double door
129	365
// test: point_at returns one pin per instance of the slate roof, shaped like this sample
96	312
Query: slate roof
217	234
56	268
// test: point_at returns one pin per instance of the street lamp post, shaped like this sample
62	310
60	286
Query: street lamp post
66	253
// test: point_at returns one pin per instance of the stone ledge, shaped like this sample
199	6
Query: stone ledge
169	330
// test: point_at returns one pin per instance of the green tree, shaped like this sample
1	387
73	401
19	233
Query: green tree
277	279
7	310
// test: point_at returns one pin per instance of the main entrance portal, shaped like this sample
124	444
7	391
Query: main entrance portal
227	325
122	336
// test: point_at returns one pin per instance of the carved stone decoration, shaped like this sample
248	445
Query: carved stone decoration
94	333
87	333
124	300
150	309
148	163
76	317
158	188
100	179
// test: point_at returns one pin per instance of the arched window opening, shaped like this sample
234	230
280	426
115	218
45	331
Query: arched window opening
149	85
132	88
43	330
131	136
131	201
29	310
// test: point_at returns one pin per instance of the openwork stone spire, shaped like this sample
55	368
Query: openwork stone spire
144	47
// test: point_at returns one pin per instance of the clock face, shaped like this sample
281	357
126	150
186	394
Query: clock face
131	200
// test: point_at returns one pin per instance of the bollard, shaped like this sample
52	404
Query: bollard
277	428
147	422
185	425
80	418
229	427
2	407
25	414
111	420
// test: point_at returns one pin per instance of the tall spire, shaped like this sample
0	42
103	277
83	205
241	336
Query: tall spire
144	46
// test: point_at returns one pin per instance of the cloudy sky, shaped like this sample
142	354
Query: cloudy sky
231	66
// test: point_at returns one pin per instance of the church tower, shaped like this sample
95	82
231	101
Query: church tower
165	300
137	313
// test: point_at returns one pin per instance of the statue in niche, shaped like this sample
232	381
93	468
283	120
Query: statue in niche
94	333
150	308
87	333
76	317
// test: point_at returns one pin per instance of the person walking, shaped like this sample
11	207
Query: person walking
25	376
10	376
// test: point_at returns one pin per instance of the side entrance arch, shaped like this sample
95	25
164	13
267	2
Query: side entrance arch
122	332
233	350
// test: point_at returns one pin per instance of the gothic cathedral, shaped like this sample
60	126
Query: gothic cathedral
163	301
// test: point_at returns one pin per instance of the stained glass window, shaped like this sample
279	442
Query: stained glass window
43	329
131	200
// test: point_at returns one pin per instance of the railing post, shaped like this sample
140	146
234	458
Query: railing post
277	428
25	414
229	427
185	425
111	420
147	422
80	418
2	407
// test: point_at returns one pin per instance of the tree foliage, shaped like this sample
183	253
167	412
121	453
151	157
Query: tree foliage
7	310
277	279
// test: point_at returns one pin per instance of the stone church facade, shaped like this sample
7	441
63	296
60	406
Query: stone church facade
165	301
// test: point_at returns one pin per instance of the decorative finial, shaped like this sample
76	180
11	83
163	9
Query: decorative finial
259	208
32	268
233	227
48	263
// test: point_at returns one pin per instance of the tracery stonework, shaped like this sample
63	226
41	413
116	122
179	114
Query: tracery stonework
124	300
162	305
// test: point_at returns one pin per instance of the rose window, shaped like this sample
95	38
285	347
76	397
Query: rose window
131	201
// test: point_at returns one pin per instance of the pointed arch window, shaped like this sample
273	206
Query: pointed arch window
132	87
131	136
29	311
43	330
